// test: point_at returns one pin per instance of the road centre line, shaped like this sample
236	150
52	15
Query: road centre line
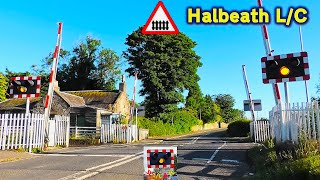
85	155
86	148
201	159
195	140
72	176
216	152
108	167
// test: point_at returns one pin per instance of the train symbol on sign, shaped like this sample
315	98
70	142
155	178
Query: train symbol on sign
160	25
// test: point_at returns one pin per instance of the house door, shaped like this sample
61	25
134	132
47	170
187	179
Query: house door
81	121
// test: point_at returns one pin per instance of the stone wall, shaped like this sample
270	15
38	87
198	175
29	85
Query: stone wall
209	126
122	105
59	106
143	134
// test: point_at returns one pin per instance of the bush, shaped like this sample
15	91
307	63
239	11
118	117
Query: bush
240	128
306	168
178	122
84	141
286	160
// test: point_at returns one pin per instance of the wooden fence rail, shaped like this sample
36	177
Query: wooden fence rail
24	131
118	133
77	131
260	130
291	121
59	131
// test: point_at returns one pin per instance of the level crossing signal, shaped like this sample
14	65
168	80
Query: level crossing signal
285	68
22	87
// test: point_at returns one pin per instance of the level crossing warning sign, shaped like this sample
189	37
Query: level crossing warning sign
160	22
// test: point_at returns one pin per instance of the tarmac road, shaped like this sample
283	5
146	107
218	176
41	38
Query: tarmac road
204	156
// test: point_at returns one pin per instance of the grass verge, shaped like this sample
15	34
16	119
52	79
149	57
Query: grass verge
286	160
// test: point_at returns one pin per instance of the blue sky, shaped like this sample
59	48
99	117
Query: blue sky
28	34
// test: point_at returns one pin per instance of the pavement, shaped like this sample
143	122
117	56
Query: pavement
9	156
208	155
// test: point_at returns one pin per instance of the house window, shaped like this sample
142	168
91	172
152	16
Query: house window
80	120
105	119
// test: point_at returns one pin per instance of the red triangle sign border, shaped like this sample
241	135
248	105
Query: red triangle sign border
160	4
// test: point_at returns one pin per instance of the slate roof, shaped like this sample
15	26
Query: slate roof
11	104
97	98
72	100
87	98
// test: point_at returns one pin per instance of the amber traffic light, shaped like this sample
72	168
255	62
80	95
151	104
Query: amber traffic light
22	89
24	86
285	68
160	158
284	71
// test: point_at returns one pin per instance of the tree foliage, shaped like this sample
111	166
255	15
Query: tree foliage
210	111
194	98
87	66
3	87
226	103
167	65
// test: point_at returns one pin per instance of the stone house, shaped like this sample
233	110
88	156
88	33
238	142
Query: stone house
87	108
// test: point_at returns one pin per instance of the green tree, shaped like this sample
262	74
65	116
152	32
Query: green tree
236	114
210	111
135	104
194	98
226	103
88	66
3	87
206	109
217	113
167	65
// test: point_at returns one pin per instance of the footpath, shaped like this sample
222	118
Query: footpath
12	155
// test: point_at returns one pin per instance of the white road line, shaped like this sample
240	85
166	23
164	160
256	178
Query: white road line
195	140
216	152
230	161
85	155
106	168
72	176
201	159
86	148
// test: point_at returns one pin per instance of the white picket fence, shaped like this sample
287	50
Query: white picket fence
24	131
260	130
118	133
77	131
59	131
291	121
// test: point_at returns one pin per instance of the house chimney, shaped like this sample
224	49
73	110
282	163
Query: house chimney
56	86
122	84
